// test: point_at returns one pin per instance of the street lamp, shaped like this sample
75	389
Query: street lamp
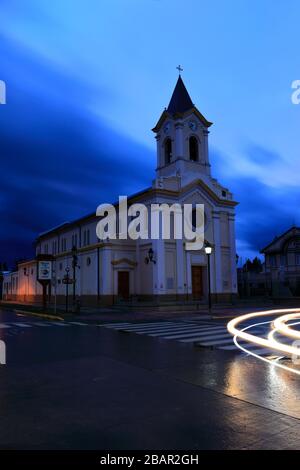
150	257
208	251
67	280
74	266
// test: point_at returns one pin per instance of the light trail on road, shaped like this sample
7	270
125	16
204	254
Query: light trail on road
278	326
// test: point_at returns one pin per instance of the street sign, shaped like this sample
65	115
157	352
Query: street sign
44	270
44	274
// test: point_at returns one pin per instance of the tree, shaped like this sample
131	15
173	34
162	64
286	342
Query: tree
253	266
3	266
257	265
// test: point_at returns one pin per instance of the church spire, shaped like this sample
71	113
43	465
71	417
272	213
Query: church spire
180	105
180	101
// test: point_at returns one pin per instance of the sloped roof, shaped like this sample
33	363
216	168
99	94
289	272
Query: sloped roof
180	100
277	242
179	106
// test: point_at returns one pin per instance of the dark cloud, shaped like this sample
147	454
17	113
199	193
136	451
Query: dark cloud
263	211
262	155
57	161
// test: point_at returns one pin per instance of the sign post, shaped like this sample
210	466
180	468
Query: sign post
44	274
67	280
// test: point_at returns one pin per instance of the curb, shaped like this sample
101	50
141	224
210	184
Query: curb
42	315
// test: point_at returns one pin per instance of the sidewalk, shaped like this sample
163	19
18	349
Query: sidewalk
115	313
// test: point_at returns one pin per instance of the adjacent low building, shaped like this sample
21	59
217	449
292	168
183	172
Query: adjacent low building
282	264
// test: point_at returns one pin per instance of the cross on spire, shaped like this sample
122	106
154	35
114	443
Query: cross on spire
179	68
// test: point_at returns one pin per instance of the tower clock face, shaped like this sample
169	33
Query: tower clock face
193	125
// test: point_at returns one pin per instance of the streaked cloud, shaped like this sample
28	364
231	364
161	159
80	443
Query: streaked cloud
86	81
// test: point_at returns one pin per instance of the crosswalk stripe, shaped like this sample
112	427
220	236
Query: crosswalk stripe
286	340
202	340
212	329
172	330
183	334
166	328
40	323
151	330
157	323
211	337
215	343
139	326
150	326
207	327
134	327
188	331
243	343
233	346
217	336
230	348
262	352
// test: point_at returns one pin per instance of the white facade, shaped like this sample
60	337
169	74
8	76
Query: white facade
116	269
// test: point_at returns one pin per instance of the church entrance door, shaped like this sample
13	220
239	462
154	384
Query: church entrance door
197	282
123	284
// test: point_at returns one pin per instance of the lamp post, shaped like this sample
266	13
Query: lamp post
67	279
55	281
208	250
74	266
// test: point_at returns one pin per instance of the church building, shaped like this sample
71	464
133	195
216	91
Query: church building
114	271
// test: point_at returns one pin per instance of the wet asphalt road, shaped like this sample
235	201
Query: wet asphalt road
85	387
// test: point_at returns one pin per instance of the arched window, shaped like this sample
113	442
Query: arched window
168	151
193	147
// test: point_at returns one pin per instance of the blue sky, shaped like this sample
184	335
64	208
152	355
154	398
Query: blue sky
87	80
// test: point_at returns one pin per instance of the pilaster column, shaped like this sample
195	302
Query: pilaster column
179	267
217	282
158	150
189	286
137	270
205	150
231	222
179	148
158	247
106	287
78	274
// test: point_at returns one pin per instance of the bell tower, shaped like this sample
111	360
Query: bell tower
182	138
